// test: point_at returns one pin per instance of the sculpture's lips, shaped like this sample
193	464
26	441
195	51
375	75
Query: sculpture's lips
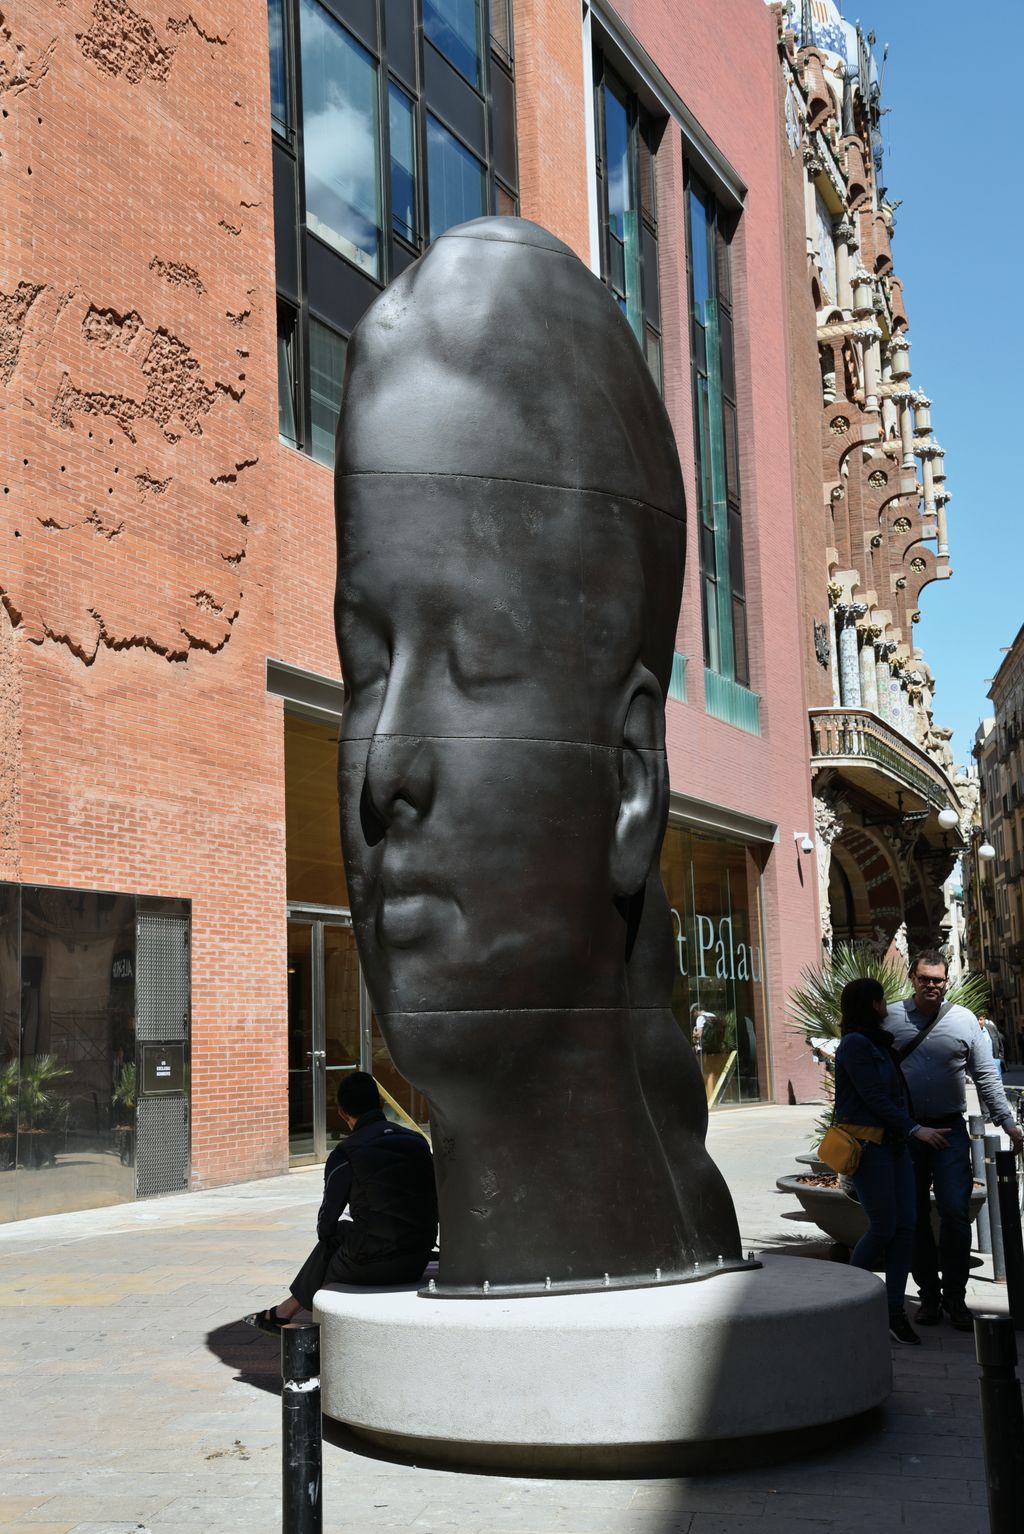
404	918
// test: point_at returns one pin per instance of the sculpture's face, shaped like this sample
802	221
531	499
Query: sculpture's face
477	814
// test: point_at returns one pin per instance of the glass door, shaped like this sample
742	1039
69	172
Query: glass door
342	1033
324	1028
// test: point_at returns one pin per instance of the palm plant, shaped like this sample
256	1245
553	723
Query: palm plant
126	1091
9	1097
38	1102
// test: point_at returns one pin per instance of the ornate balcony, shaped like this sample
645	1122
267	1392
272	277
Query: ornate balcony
874	757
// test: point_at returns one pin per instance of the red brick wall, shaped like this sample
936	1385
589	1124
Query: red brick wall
148	563
550	118
720	56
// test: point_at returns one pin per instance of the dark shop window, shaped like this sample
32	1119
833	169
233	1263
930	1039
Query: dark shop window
392	120
723	592
627	137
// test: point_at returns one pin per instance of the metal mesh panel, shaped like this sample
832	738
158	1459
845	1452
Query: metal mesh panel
163	975
162	1132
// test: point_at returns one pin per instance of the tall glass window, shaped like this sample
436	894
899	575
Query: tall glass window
723	592
402	125
455	180
453	26
278	66
367	169
626	140
326	370
340	139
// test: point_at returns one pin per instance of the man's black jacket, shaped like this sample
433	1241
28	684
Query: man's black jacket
385	1174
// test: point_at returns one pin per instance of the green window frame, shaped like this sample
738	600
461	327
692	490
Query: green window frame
709	230
626	140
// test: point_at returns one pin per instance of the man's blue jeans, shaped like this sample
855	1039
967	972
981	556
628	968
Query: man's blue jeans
885	1186
942	1272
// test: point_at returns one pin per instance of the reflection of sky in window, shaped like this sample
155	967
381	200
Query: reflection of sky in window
326	369
339	120
403	163
278	76
455	181
453	26
616	145
699	255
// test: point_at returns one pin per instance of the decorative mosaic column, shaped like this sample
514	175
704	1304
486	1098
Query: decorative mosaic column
882	677
868	680
846	244
849	666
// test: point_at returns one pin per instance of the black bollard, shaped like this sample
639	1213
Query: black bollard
976	1125
1013	1239
1002	1420
992	1144
302	1443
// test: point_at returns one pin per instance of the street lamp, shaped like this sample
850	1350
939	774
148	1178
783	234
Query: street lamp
948	819
986	852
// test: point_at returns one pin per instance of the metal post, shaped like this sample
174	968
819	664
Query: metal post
1013	1237
992	1145
1002	1420
976	1125
301	1443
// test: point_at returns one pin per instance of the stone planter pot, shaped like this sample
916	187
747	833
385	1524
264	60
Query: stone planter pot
841	1217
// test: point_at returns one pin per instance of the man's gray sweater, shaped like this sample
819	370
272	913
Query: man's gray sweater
937	1070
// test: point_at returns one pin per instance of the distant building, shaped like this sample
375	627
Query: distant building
997	912
871	487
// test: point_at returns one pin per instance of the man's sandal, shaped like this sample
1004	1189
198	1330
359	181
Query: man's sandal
265	1320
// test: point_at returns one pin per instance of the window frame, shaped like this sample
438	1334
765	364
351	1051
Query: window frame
427	97
644	131
717	474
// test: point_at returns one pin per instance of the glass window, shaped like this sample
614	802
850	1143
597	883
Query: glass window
455	180
501	28
312	838
507	202
626	192
340	139
286	428
718	996
402	125
453	27
278	66
326	369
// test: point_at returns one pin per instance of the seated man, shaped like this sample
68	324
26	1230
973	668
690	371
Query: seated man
385	1175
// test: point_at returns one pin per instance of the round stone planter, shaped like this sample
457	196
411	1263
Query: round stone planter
842	1217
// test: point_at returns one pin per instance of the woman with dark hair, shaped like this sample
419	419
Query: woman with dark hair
872	1105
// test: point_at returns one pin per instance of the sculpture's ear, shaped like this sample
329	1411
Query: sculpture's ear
643	788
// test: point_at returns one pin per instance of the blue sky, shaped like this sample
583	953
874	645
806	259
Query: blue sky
952	140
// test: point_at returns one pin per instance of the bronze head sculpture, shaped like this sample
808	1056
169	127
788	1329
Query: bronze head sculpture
511	530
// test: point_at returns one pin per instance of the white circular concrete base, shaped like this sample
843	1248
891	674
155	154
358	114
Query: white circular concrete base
608	1379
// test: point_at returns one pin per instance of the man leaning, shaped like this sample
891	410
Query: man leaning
939	1045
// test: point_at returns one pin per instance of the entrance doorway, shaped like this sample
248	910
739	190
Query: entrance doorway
327	1017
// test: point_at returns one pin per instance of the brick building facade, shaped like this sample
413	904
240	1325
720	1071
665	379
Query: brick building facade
185	251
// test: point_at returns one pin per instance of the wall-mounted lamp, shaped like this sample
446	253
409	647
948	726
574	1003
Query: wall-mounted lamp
805	843
986	852
948	819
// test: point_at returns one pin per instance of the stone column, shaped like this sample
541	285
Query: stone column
846	244
869	338
907	431
883	678
896	695
829	808
813	169
868	680
941	499
833	658
849	666
927	478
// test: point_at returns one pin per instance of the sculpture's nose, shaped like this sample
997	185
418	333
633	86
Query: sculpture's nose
399	783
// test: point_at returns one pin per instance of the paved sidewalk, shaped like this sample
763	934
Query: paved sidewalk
134	1402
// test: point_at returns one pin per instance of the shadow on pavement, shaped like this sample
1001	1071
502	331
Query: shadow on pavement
255	1356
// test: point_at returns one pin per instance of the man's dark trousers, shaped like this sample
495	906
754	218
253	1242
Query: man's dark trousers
327	1263
949	1173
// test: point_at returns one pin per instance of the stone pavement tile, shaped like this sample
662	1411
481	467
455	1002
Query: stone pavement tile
728	1523
862	1512
12	1507
79	1507
237	1513
945	1520
939	1467
35	1528
694	1496
542	1493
